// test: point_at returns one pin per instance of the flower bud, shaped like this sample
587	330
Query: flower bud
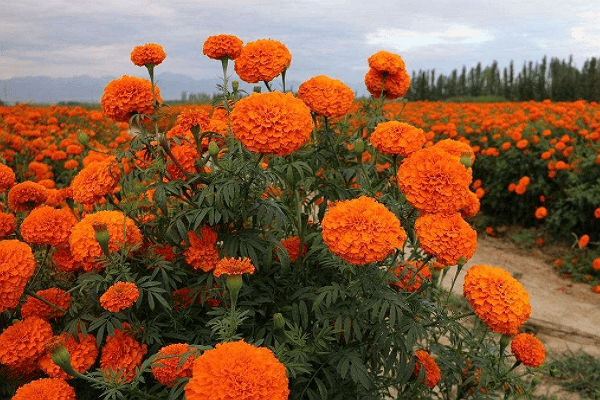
235	85
257	89
466	161
359	146
83	138
213	149
61	356
278	321
102	237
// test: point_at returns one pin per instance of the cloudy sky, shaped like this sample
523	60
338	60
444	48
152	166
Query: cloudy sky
63	38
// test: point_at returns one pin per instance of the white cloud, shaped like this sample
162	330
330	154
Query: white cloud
587	31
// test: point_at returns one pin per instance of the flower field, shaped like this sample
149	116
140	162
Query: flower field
279	245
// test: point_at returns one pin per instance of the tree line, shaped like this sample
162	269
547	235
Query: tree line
558	80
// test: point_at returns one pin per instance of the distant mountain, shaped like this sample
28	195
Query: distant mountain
86	89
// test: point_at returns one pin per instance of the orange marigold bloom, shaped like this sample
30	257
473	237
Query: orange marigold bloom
497	298
394	137
471	206
240	371
149	53
434	181
48	225
57	197
596	264
191	117
262	60
432	369
63	260
202	253
186	155
84	245
119	296
121	355
447	237
597	212
456	148
541	212
45	389
24	342
128	95
410	275
528	349
271	123
326	96
384	61
219	46
395	85
583	241
362	231
8	224
26	195
167	367
7	177
96	180
292	246
37	308
17	265
233	266
83	352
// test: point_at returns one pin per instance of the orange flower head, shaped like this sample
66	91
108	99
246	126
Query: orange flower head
393	85
497	298
394	137
121	355
410	276
271	123
432	369
597	213
528	349
63	260
83	352
240	371
186	156
48	225
167	367
596	264
362	231
203	253
84	245
262	60
471	206
219	46
583	241
447	237
96	180
326	96
191	117
233	266
26	195
24	342
17	265
434	181
541	212
7	177
120	296
45	389
456	148
292	246
128	95
149	53
8	223
37	308
384	61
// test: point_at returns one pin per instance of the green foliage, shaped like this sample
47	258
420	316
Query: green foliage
577	372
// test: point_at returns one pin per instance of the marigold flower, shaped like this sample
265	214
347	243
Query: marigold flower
528	349
384	61
262	60
395	85
219	46
597	212
17	265
292	246
434	181
202	253
63	260
26	195
8	223
167	367
471	206
456	148
45	389
326	96
96	180
596	264
394	137
432	369
410	275
48	225
186	156
84	245
37	308
7	177
149	53
128	95
271	123
583	241
190	117
541	212
497	298
121	355
362	231
24	342
83	352
233	266
445	236
237	370
119	296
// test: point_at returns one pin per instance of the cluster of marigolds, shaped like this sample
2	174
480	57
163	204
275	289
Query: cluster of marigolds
70	226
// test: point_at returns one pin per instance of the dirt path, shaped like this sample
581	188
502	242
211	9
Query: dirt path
565	315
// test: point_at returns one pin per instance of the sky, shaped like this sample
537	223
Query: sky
65	38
